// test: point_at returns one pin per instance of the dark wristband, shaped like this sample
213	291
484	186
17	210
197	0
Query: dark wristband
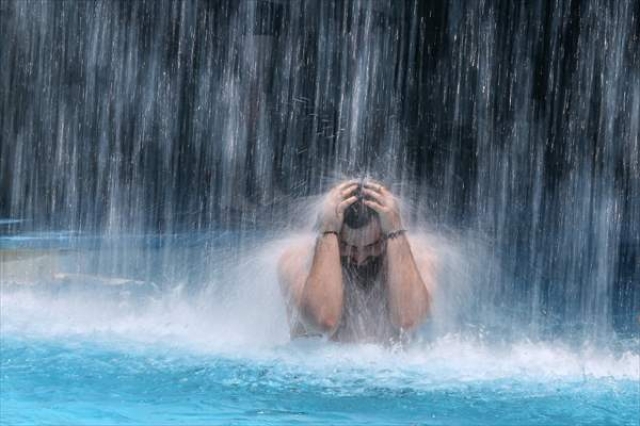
395	234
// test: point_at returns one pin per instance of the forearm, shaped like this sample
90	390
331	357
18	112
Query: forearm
323	294
408	297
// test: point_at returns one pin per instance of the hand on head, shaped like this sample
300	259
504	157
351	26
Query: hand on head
373	194
335	203
382	201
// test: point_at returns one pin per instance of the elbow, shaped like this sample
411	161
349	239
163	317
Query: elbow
406	322
328	324
321	311
323	319
412	316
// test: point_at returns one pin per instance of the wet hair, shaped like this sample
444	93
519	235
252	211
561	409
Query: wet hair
358	215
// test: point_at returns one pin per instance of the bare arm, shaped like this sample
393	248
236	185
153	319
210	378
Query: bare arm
319	294
322	297
315	294
408	295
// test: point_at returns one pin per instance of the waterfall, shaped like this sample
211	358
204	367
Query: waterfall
516	123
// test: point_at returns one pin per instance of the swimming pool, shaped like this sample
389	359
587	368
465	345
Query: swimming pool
81	381
80	347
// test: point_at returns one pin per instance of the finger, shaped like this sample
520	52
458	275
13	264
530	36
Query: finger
346	183
375	206
349	190
375	196
346	203
375	186
345	186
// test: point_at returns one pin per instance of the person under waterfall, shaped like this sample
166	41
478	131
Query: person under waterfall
363	280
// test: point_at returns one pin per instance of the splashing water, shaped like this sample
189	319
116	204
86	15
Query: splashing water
222	352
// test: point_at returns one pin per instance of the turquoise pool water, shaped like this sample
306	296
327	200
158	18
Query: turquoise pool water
78	381
85	340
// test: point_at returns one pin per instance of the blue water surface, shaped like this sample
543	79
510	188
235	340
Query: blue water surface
148	330
80	382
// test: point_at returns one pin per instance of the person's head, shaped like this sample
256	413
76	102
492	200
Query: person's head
361	239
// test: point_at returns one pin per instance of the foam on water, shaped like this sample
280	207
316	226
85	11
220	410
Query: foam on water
239	315
176	323
98	346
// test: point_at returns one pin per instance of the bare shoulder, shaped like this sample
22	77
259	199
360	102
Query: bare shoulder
293	268
295	258
422	248
425	256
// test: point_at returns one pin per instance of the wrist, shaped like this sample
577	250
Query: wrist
395	234
327	238
328	230
324	226
392	226
325	233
